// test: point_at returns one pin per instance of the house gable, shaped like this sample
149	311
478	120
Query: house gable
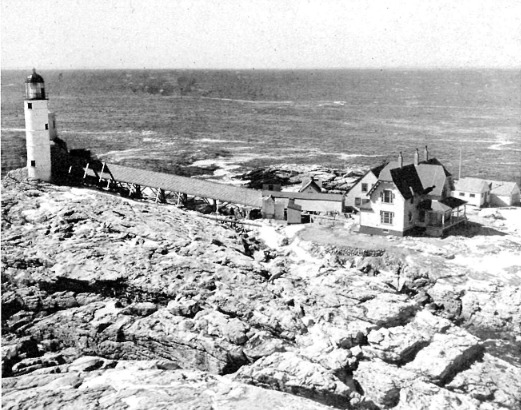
310	187
358	194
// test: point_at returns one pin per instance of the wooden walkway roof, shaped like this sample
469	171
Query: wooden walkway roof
176	183
310	196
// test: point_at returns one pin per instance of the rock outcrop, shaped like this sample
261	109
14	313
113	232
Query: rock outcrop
115	303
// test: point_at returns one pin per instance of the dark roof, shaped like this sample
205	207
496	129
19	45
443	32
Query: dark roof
433	205
406	180
431	174
34	78
453	202
376	170
444	205
176	183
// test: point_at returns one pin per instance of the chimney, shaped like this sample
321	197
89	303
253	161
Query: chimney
416	157
426	153
400	160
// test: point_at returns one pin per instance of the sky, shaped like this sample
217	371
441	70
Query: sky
260	34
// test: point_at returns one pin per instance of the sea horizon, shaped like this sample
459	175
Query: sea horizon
240	119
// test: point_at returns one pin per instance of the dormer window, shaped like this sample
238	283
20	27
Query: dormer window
387	196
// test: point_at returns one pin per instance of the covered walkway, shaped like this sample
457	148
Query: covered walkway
135	180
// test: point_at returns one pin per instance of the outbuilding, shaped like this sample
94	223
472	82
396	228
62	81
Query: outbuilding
503	193
475	191
294	213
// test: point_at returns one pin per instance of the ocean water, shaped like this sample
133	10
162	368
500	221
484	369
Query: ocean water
222	122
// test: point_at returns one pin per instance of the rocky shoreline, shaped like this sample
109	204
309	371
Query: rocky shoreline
114	303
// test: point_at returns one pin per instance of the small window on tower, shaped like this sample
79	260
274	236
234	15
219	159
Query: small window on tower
33	163
30	106
46	126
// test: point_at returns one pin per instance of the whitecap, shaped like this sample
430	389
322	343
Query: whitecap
217	140
499	145
13	129
346	156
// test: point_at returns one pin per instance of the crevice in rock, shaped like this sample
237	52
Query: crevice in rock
410	354
118	288
461	364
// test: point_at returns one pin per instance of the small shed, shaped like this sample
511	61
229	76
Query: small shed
294	212
268	207
279	211
503	193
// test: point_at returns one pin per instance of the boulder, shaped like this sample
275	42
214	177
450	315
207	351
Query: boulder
291	373
490	380
381	383
446	355
390	309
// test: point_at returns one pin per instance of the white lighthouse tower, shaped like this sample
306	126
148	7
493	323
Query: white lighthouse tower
37	128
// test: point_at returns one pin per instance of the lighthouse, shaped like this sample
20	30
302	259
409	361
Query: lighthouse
37	128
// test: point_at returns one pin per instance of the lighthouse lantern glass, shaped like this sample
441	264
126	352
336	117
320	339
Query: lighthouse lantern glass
34	91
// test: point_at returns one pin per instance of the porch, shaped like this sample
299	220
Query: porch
437	217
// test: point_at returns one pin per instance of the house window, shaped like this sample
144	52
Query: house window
410	216
387	196
358	201
365	201
46	126
29	106
386	217
472	195
462	194
364	187
33	163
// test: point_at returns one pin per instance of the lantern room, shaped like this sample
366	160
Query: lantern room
35	87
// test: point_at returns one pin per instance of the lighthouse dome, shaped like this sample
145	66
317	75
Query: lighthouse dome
34	77
34	87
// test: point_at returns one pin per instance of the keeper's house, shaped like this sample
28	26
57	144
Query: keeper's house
412	198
